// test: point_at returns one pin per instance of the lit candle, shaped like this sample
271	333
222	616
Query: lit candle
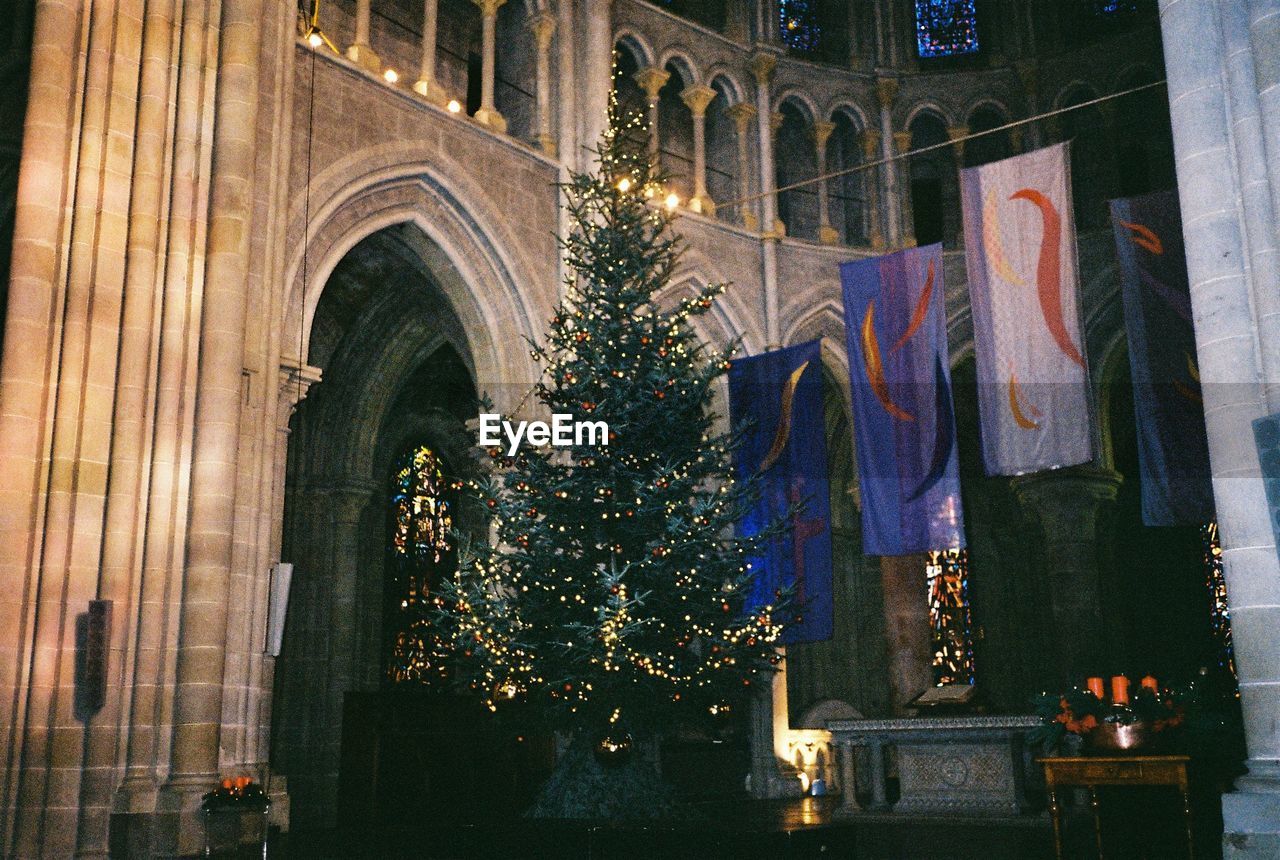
1120	690
1150	683
1095	687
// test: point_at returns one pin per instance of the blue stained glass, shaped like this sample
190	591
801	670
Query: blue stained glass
946	27
798	20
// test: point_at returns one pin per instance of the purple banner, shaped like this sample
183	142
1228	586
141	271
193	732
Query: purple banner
1173	452
777	396
904	423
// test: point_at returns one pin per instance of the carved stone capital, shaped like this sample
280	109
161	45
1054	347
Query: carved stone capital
762	66
821	132
902	141
295	381
543	25
489	8
742	114
886	91
651	79
696	98
870	143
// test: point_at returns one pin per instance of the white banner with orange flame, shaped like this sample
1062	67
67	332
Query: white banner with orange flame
1020	248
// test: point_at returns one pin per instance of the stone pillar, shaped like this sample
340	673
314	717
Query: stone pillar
1217	227
593	81
427	84
742	114
907	227
360	52
696	98
1069	504
848	753
652	80
1030	132
197	698
543	25
488	114
762	66
870	153
887	94
822	131
909	642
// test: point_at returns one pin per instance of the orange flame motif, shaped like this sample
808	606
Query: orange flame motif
921	311
1015	406
1049	271
992	244
875	368
783	433
1144	237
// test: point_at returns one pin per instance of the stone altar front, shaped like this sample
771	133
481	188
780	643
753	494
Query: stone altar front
946	765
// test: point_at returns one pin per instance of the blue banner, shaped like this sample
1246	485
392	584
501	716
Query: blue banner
903	419
777	398
1173	451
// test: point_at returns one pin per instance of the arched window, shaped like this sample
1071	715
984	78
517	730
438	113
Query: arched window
945	28
848	197
816	29
948	574
420	552
935	191
796	161
988	147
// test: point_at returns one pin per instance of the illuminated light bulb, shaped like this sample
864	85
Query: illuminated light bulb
391	76
454	106
672	201
314	40
624	185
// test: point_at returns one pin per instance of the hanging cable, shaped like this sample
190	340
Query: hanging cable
870	164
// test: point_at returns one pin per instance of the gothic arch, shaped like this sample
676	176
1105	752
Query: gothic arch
635	45
487	267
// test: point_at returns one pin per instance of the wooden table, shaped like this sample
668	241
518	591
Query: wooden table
1093	771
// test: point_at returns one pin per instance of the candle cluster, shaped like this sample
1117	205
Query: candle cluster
615	588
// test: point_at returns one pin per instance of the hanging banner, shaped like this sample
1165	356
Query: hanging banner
778	396
1020	250
908	469
1173	450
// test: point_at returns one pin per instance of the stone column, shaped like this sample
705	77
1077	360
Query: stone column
742	114
1069	504
887	94
652	80
1217	229
848	753
360	52
909	642
696	98
1030	132
488	114
762	66
197	698
870	153
822	131
907	228
427	84
543	26
593	81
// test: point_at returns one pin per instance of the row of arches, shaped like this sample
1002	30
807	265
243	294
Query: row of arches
1119	148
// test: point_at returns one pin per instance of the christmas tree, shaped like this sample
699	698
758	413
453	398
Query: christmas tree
613	599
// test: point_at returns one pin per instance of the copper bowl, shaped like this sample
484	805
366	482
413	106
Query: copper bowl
1119	737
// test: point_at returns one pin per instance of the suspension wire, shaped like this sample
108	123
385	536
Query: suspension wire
870	164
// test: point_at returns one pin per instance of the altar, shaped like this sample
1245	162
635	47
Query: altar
971	765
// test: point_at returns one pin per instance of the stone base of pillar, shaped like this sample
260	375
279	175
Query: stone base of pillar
365	57
177	827
1251	814
491	118
827	235
545	143
703	205
431	91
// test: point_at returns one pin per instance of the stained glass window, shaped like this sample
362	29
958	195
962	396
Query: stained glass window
798	20
946	27
422	517
948	574
1219	612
